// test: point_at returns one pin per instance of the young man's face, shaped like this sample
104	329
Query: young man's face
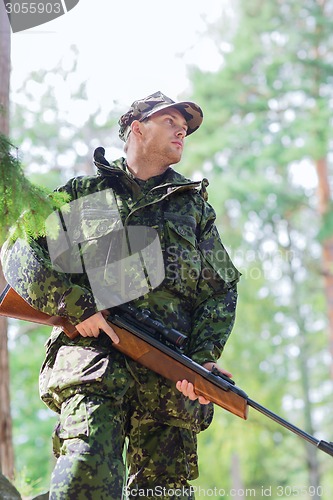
164	133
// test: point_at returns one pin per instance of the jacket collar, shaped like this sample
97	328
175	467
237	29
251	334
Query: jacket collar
119	168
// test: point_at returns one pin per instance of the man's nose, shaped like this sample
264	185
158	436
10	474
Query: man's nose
181	133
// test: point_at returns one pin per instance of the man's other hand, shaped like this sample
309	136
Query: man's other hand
187	388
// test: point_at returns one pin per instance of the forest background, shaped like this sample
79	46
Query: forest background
264	78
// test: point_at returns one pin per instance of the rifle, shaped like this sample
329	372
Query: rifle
150	343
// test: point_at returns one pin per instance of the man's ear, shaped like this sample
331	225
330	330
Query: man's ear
136	127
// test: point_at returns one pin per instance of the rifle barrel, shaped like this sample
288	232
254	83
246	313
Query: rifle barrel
322	445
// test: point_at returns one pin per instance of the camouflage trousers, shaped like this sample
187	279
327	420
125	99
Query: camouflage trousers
123	431
89	442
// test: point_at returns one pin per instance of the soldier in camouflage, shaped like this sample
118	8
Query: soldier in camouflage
103	398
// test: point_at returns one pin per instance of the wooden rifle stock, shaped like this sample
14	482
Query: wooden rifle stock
14	306
166	361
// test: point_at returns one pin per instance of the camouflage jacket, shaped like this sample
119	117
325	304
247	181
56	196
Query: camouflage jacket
198	294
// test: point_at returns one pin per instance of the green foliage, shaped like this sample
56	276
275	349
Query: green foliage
22	202
26	486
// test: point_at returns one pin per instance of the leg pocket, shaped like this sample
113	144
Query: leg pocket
89	441
77	366
73	423
74	419
91	370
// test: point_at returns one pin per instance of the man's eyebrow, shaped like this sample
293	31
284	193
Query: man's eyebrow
174	116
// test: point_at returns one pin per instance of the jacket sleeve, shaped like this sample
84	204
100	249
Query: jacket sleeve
215	308
28	269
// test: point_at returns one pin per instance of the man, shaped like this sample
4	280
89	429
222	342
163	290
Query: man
102	396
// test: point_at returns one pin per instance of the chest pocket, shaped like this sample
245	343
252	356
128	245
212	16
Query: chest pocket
100	237
181	257
95	225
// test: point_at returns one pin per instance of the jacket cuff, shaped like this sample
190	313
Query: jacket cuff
76	305
203	357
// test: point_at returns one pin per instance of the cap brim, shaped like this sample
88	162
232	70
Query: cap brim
192	113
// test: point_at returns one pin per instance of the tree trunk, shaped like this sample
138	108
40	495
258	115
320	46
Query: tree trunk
6	445
4	69
324	205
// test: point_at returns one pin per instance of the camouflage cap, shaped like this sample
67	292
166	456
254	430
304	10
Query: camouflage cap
143	108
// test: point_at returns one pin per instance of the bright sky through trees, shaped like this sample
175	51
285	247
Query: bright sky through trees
126	49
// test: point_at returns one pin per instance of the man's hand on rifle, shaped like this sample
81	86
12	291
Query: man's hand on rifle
186	387
91	326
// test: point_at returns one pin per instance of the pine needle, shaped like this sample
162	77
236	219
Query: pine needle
24	206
